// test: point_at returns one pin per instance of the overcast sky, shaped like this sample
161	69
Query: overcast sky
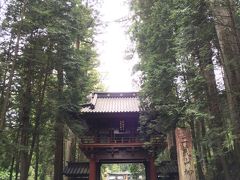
113	42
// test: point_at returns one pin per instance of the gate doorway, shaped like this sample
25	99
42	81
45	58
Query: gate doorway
122	171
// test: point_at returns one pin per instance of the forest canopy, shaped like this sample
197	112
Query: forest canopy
190	74
47	68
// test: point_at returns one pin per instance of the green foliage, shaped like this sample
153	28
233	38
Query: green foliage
154	38
164	156
4	174
52	35
135	169
178	49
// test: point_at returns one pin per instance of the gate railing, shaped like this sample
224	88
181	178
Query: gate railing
107	140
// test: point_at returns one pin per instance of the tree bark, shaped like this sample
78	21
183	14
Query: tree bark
11	73
17	167
228	38
58	160
196	148
15	155
59	130
25	121
41	89
11	168
70	147
6	70
217	121
37	158
3	88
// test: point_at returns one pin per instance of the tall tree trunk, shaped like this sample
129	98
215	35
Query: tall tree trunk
9	55
11	168
228	38
194	131
25	120
15	155
3	88
44	173
17	166
59	130
78	42
196	148
41	89
202	148
202	133
25	123
37	158
217	121
70	147
58	160
11	73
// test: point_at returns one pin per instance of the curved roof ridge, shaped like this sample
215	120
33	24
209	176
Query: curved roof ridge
106	102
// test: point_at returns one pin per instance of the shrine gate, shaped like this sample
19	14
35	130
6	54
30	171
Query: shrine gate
112	137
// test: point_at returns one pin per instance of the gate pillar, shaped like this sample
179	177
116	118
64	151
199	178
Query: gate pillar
92	169
152	169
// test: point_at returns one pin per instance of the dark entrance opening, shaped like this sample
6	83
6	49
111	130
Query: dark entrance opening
122	171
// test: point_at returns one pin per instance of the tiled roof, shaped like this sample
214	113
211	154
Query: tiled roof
112	102
74	169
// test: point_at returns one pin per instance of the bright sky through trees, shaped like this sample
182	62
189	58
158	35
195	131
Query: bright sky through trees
113	42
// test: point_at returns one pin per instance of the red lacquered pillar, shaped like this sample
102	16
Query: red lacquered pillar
92	169
152	169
